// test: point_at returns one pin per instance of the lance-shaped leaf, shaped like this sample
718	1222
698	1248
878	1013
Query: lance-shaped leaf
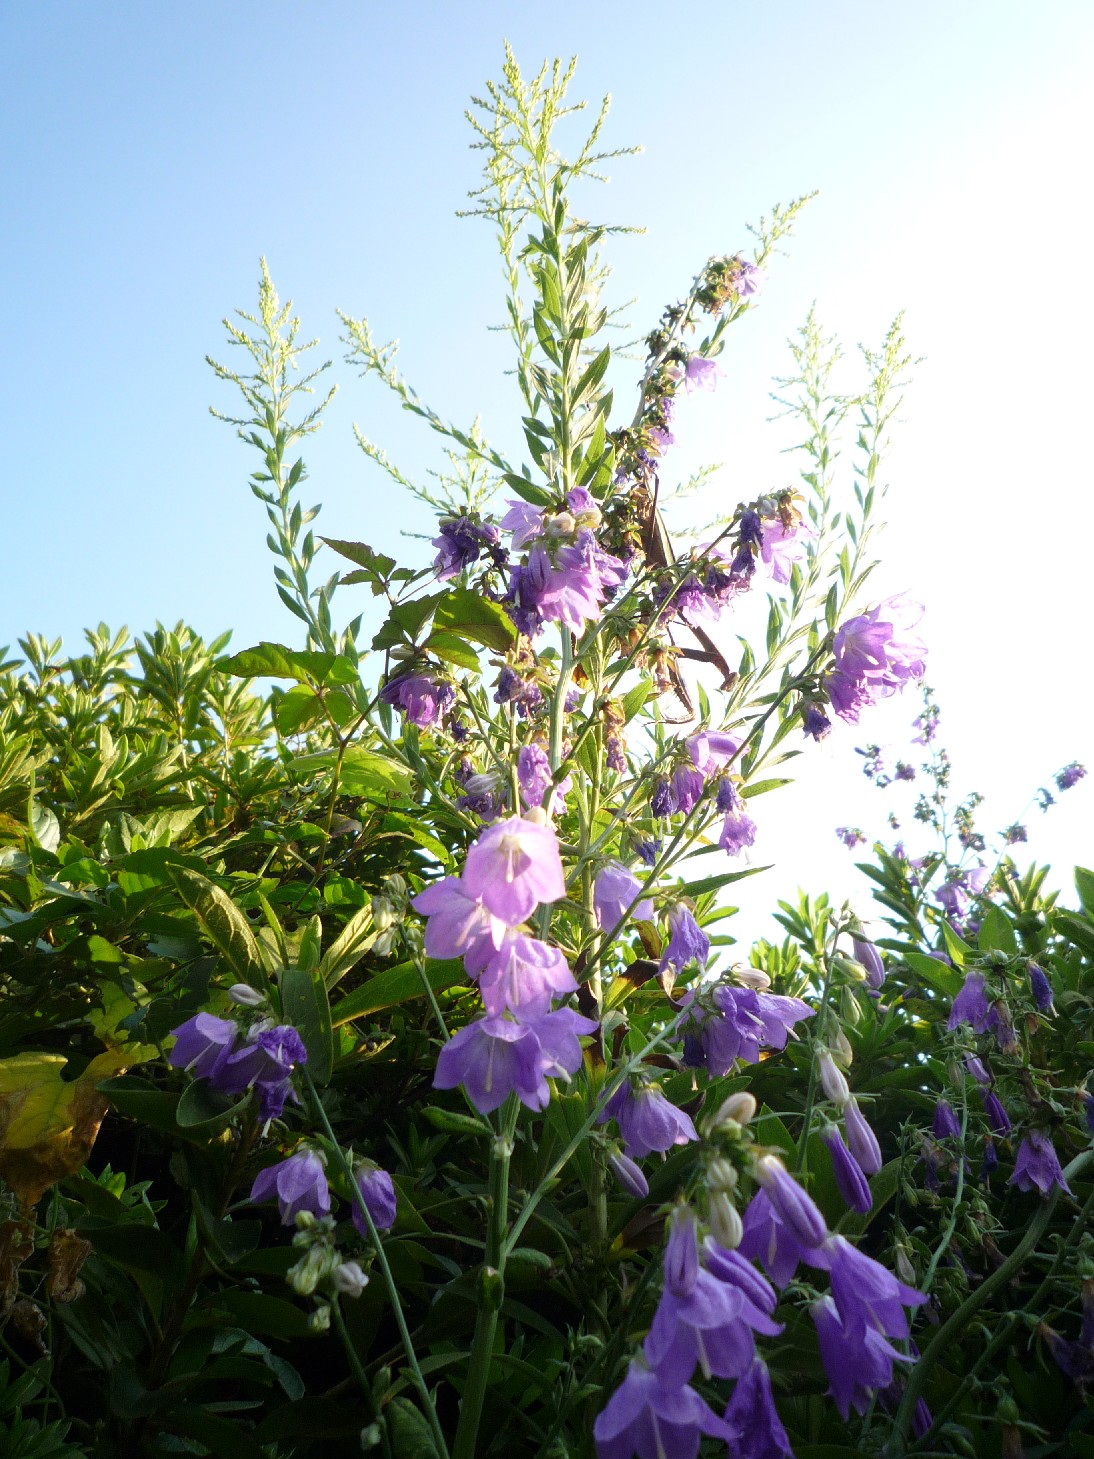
223	923
275	661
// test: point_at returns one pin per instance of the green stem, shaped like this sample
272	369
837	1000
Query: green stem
491	1289
360	1376
416	1375
953	1325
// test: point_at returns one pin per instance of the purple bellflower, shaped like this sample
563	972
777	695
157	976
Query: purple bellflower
856	1363
614	890
424	701
686	788
743	1022
297	1184
758	1298
861	1140
202	1044
460	543
702	1327
876	654
712	750
378	1193
867	954
971	1005
1037	1165
850	1180
1041	988
978	1069
770	1241
814	721
701	374
867	1294
629	1175
781	549
682	1251
265	1061
494	1057
513	867
523	976
524	520
459	924
647	1417
647	1121
533	774
792	1205
738	829
998	1118
945	1124
687	941
751	1413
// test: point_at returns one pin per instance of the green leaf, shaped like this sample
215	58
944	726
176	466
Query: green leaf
297	710
397	985
592	377
374	567
761	787
714	883
958	949
455	1123
452	649
223	923
1084	885
411	1436
472	616
936	974
406	620
202	1111
363	772
539	496
1076	930
275	661
995	933
351	944
143	1248
263	1315
220	1436
304	1004
44	825
138	1099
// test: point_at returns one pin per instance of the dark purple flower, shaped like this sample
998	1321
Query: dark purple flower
647	1121
513	867
297	1184
648	852
991	1161
524	975
378	1193
856	1362
971	1004
867	1294
266	1061
978	1069
1069	776
701	374
867	954
686	788
1037	1165
876	654
945	1125
738	829
770	1241
703	1327
202	1044
681	1260
741	1023
614	890
460	543
998	1118
792	1205
861	1140
495	1057
629	1175
850	1180
687	941
424	701
459	924
647	1417
752	1415
1041	988
758	1296
814	721
662	802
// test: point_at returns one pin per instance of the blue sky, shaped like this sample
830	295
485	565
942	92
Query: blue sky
152	153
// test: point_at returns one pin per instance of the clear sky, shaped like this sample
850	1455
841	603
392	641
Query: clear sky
153	152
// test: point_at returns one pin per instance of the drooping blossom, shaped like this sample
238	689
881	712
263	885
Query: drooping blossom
738	828
494	1057
1037	1165
297	1184
681	1261
736	1023
701	374
712	750
614	889
850	836
752	1415
264	1062
867	954
378	1193
648	1122
781	549
998	1118
651	1419
876	655
524	520
856	1363
423	700
978	1069
814	721
850	1178
459	924
770	1241
1070	775
202	1044
533	774
513	867
832	1078
350	1279
791	1203
867	1294
749	279
629	1175
687	941
702	1327
861	1140
758	1297
971	1004
524	975
686	788
460	543
1041	988
945	1124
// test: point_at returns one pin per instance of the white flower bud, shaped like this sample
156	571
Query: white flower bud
832	1081
537	815
842	1049
319	1321
383	914
724	1221
720	1175
349	1279
246	996
753	978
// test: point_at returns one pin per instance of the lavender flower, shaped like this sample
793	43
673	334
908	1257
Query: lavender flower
998	1118
647	1121
297	1184
202	1044
850	1180
533	774
945	1124
495	1057
513	867
614	890
459	924
460	543
978	1069
752	1415
791	1204
662	802
265	1061
687	941
867	954
686	788
770	1241
868	1296
1037	1165
861	1140
971	1005
855	1363
701	374
1041	988
524	520
524	975
629	1175
647	1417
850	836
712	750
1070	775
424	701
741	1023
876	654
782	548
738	829
814	721
701	1327
378	1193
682	1252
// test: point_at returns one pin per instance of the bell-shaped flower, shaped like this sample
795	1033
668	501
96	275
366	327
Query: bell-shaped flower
758	1297
850	1180
770	1241
998	1118
202	1044
647	1121
856	1362
1037	1165
523	976
703	1327
423	700
629	1175
265	1061
861	1140
650	1418
867	954
738	828
614	889
866	1293
495	1057
792	1204
682	1251
752	1414
378	1193
876	654
513	867
740	1022
712	750
687	941
297	1184
971	1005
459	924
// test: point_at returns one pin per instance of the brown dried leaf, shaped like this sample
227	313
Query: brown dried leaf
67	1254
